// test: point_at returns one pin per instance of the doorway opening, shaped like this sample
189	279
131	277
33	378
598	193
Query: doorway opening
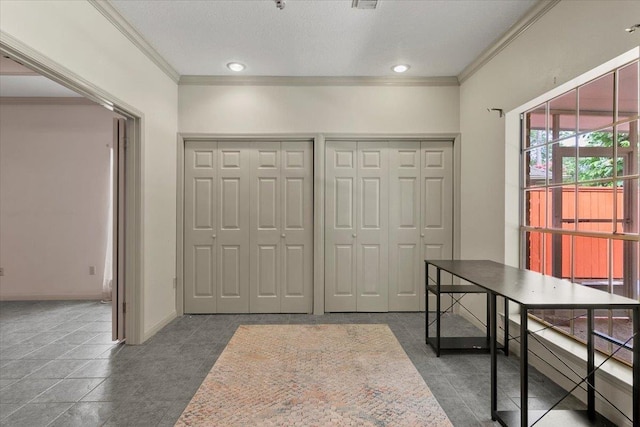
126	208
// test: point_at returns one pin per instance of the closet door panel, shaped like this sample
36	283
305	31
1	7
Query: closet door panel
200	256
437	203
372	216
404	226
340	226
296	207
233	227
265	252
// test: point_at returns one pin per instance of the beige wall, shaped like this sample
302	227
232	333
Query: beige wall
318	109
571	39
54	199
78	37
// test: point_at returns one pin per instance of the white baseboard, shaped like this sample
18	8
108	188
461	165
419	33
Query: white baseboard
47	297
158	326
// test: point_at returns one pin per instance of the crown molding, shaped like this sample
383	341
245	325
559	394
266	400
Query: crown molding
118	21
316	81
40	100
535	13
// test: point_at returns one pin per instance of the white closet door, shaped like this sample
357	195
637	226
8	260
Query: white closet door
233	227
372	213
265	253
200	212
340	226
405	249
297	227
437	204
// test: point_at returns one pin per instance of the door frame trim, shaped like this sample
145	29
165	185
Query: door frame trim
180	143
134	190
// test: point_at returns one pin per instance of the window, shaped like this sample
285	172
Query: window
580	192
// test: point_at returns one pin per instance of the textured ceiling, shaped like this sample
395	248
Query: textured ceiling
321	37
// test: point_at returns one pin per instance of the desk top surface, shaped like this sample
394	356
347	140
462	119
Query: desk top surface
529	288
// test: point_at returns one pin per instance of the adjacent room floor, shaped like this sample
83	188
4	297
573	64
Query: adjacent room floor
58	366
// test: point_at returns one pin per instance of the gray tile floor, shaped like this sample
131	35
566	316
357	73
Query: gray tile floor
58	366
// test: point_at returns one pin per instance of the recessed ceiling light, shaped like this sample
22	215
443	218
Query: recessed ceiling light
400	68
235	66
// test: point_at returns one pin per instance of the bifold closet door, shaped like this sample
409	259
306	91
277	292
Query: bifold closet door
356	238
233	226
340	226
216	221
281	227
420	216
200	227
405	248
436	205
372	231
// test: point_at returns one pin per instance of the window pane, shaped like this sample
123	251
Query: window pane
562	162
536	166
596	104
595	208
625	269
628	91
627	209
591	262
535	207
627	141
562	207
533	249
558	264
536	126
562	115
595	156
557	256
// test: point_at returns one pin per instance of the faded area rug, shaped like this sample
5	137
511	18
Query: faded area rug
313	375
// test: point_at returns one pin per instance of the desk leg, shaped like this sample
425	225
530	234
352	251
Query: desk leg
494	354
426	303
524	368
438	312
591	376
506	327
636	367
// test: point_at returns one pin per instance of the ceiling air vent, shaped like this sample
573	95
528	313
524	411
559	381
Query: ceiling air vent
364	4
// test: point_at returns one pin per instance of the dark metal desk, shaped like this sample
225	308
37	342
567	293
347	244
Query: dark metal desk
532	290
451	344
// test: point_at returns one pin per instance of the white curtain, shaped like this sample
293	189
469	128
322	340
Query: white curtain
107	280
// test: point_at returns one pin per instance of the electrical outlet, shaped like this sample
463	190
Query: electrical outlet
92	270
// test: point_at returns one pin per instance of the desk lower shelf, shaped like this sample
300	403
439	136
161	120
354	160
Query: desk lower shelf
460	344
555	418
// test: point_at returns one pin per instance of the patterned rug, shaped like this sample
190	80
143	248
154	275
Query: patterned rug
313	375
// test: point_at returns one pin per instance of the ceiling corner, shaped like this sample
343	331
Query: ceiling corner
529	18
118	21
